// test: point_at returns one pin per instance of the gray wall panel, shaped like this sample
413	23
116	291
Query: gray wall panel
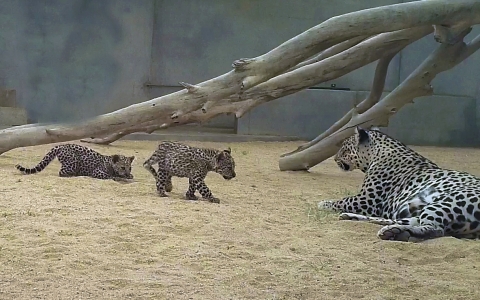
305	114
437	120
74	59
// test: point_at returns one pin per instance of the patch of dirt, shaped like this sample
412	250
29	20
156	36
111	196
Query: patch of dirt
82	238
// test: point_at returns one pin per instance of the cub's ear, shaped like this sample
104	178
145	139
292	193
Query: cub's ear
115	158
361	135
131	158
220	156
228	150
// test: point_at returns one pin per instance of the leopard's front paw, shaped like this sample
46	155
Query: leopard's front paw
352	217
327	204
394	232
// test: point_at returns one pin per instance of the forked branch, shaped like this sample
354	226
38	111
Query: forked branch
445	57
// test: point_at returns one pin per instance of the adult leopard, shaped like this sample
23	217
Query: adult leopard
78	160
413	197
177	159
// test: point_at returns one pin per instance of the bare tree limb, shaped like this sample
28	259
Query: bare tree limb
301	78
335	66
331	51
445	57
155	124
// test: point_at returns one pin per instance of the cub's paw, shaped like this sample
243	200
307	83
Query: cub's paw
191	197
162	194
213	200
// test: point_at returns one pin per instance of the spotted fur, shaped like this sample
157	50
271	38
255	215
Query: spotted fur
78	160
176	159
410	195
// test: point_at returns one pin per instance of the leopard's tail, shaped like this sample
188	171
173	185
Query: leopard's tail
42	164
154	159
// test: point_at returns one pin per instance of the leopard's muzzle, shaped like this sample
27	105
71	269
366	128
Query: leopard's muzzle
228	177
343	166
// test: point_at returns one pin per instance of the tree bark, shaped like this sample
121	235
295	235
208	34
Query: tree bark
445	57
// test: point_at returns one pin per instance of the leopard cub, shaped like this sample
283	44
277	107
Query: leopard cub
78	160
176	159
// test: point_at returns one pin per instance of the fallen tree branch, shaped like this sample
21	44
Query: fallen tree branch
445	57
298	79
249	73
155	125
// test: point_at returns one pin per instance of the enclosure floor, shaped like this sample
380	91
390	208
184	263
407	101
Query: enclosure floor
81	238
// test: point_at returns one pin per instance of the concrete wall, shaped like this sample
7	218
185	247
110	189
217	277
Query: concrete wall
68	60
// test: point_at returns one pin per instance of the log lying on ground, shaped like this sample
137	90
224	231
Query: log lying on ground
291	82
445	57
248	73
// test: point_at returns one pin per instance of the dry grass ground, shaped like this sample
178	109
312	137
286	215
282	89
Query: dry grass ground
81	238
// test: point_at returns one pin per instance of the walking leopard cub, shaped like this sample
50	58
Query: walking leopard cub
410	195
176	159
78	160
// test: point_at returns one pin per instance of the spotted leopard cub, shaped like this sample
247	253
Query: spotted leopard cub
412	197
176	159
78	160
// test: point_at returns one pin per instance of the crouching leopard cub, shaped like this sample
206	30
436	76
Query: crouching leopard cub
176	159
78	160
412	197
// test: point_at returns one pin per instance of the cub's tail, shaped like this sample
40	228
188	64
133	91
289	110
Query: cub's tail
42	164
148	164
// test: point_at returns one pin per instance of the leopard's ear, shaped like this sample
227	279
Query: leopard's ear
115	158
220	156
131	158
228	150
361	135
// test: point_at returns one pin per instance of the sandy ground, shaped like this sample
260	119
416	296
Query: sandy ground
81	238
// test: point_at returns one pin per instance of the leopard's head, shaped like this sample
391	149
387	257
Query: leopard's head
225	164
122	165
355	151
